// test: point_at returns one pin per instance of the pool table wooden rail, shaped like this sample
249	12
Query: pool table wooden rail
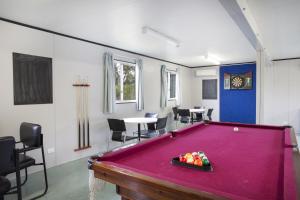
135	186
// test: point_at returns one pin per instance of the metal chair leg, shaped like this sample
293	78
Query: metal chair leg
25	180
26	176
45	176
18	178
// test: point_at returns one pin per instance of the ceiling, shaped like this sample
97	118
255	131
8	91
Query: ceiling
279	25
201	26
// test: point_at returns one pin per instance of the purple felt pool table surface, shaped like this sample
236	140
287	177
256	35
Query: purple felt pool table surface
254	162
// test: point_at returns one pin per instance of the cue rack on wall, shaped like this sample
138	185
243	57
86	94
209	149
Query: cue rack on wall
82	113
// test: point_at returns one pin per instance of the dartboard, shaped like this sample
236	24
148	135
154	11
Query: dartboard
237	82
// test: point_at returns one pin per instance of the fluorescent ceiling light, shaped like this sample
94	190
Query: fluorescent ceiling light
211	58
155	33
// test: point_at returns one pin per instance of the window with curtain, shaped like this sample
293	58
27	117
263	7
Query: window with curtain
125	81
172	86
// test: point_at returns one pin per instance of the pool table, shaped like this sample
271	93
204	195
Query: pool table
255	162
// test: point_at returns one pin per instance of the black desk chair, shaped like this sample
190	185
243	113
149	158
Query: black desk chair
161	125
209	113
199	116
117	128
13	159
184	115
175	113
151	126
4	186
160	128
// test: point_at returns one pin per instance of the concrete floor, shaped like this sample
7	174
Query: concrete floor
66	182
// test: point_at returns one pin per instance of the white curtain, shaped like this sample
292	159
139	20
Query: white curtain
163	86
178	88
140	86
109	83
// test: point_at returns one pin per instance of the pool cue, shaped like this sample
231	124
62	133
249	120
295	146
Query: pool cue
78	113
83	113
87	113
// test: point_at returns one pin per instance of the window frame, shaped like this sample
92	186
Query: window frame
169	85
122	82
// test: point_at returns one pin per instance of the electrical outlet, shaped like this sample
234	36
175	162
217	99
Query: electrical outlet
51	150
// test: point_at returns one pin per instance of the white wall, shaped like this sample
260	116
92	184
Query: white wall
58	120
281	94
197	94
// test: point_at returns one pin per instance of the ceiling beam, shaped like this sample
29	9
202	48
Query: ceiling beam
240	12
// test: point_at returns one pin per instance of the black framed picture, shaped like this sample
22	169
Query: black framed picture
209	89
241	81
238	81
32	77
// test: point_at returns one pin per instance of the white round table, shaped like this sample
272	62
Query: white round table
196	110
139	121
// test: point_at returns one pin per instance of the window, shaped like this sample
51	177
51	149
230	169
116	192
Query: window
126	81
172	86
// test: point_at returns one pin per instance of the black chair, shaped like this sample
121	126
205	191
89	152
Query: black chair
160	128
4	186
209	113
199	116
161	125
175	112
151	126
14	159
117	128
184	115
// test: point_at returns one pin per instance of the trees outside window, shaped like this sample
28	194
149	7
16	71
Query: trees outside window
125	80
172	90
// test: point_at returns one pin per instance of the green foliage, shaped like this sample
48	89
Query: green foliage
127	73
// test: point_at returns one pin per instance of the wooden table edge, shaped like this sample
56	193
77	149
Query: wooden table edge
153	187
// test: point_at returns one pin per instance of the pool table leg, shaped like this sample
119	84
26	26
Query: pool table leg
119	191
92	194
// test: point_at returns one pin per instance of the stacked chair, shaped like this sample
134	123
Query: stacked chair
151	126
13	159
209	113
199	116
175	113
159	129
184	115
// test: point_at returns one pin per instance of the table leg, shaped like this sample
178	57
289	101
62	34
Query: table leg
139	131
92	193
